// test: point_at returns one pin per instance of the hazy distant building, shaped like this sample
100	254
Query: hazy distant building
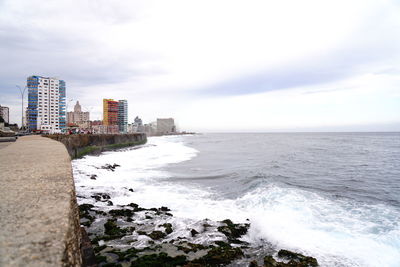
5	114
166	126
46	104
123	116
79	118
150	128
136	126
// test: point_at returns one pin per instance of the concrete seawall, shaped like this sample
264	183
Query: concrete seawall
81	144
39	218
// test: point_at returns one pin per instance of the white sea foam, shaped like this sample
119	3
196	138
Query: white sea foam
338	233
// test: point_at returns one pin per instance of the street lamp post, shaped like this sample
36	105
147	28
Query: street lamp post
22	105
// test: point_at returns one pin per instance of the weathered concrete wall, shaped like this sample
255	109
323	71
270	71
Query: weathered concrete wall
39	218
82	144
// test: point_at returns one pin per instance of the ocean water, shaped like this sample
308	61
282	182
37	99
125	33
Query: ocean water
334	196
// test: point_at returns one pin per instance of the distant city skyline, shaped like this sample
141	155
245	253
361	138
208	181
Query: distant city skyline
225	66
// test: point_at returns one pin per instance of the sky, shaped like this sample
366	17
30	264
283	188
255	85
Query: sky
214	66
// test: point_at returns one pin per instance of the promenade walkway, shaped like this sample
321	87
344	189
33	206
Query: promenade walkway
39	223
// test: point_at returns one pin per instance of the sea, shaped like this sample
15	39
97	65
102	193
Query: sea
333	196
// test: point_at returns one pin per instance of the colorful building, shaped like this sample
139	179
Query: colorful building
46	104
110	112
116	113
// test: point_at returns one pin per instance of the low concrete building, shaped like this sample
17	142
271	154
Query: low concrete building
166	126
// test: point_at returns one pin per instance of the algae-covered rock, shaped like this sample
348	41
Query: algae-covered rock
233	231
122	213
297	258
156	235
222	255
168	228
157	260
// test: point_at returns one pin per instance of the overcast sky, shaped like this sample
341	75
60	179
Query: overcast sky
213	65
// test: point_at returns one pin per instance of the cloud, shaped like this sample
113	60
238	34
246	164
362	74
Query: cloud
165	56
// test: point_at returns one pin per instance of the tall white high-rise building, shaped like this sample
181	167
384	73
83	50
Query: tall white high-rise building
46	104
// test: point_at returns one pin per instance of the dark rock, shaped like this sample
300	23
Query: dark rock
168	228
109	203
103	197
156	235
85	207
126	255
111	228
164	209
157	260
253	264
269	261
193	232
222	255
233	231
93	176
100	259
122	213
110	167
148	217
130	189
297	258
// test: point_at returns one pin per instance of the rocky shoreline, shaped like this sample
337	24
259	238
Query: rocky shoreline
130	235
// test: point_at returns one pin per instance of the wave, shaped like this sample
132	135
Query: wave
339	232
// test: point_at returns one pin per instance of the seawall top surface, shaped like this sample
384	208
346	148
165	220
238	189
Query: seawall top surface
36	189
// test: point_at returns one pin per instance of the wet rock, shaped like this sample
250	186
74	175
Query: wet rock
190	247
193	232
156	235
141	233
113	231
297	258
161	259
122	213
127	255
84	213
85	207
233	231
136	207
221	255
168	228
103	197
110	167
269	261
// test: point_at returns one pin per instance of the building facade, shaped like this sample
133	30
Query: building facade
123	116
78	118
5	113
137	126
110	112
46	104
116	113
166	126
